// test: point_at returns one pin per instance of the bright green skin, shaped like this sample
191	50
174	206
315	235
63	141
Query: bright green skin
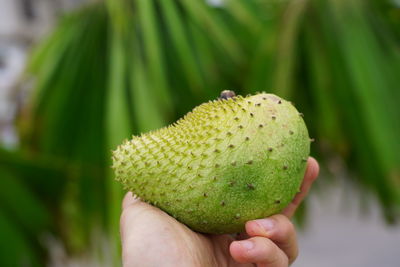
225	163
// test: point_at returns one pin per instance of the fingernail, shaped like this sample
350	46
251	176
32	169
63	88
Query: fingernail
267	224
247	244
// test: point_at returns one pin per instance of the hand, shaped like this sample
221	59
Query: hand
150	237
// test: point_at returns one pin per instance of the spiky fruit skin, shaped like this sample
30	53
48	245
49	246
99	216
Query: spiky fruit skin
225	163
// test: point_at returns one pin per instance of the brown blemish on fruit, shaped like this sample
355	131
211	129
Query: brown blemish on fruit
250	186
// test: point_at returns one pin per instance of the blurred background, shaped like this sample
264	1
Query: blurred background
77	77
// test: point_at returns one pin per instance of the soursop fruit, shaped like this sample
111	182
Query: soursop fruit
226	162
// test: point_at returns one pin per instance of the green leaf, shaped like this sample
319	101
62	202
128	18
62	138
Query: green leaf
176	27
22	205
286	52
153	51
204	16
147	113
15	249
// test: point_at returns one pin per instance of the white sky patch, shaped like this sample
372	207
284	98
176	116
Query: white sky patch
216	3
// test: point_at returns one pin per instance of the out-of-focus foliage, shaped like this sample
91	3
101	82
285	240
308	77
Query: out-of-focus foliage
30	192
122	67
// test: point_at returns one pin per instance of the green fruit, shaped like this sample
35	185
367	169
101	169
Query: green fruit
226	162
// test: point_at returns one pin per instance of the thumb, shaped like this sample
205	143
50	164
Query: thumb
129	200
136	214
140	224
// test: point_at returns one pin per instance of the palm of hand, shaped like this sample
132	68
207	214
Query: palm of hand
150	237
154	238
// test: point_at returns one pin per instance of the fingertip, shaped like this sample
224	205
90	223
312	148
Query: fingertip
128	200
312	168
258	250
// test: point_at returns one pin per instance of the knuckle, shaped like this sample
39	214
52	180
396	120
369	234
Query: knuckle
289	228
273	255
285	227
268	247
280	217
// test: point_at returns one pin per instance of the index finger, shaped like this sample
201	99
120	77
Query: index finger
309	177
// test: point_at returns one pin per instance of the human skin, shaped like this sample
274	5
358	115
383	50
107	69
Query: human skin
150	237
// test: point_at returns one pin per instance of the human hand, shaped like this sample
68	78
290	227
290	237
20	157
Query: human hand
150	237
